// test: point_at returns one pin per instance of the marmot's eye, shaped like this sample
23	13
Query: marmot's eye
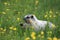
31	16
27	17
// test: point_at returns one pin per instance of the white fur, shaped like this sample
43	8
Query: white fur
39	24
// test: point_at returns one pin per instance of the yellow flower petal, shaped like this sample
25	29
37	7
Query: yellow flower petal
4	30
53	26
10	27
7	9
36	2
1	28
46	16
5	3
42	32
27	38
49	38
50	16
51	11
4	12
18	19
55	38
33	35
15	29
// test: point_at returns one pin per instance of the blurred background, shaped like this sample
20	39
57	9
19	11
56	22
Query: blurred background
13	11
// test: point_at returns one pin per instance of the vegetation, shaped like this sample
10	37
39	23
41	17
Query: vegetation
13	11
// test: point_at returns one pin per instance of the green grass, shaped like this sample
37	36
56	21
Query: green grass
13	11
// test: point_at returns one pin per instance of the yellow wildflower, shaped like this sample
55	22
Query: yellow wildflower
36	2
55	38
4	30
15	29
18	12
10	27
50	16
33	35
42	32
50	11
27	38
53	26
1	28
7	9
18	19
4	12
49	38
5	3
46	16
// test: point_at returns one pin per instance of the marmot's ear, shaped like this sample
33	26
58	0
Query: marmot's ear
32	16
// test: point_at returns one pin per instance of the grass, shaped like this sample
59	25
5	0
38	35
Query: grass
13	11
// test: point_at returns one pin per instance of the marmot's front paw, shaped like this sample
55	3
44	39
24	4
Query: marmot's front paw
21	24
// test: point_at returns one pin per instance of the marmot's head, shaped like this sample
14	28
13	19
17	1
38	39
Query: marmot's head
30	18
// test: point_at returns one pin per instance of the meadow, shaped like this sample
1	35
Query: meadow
12	13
